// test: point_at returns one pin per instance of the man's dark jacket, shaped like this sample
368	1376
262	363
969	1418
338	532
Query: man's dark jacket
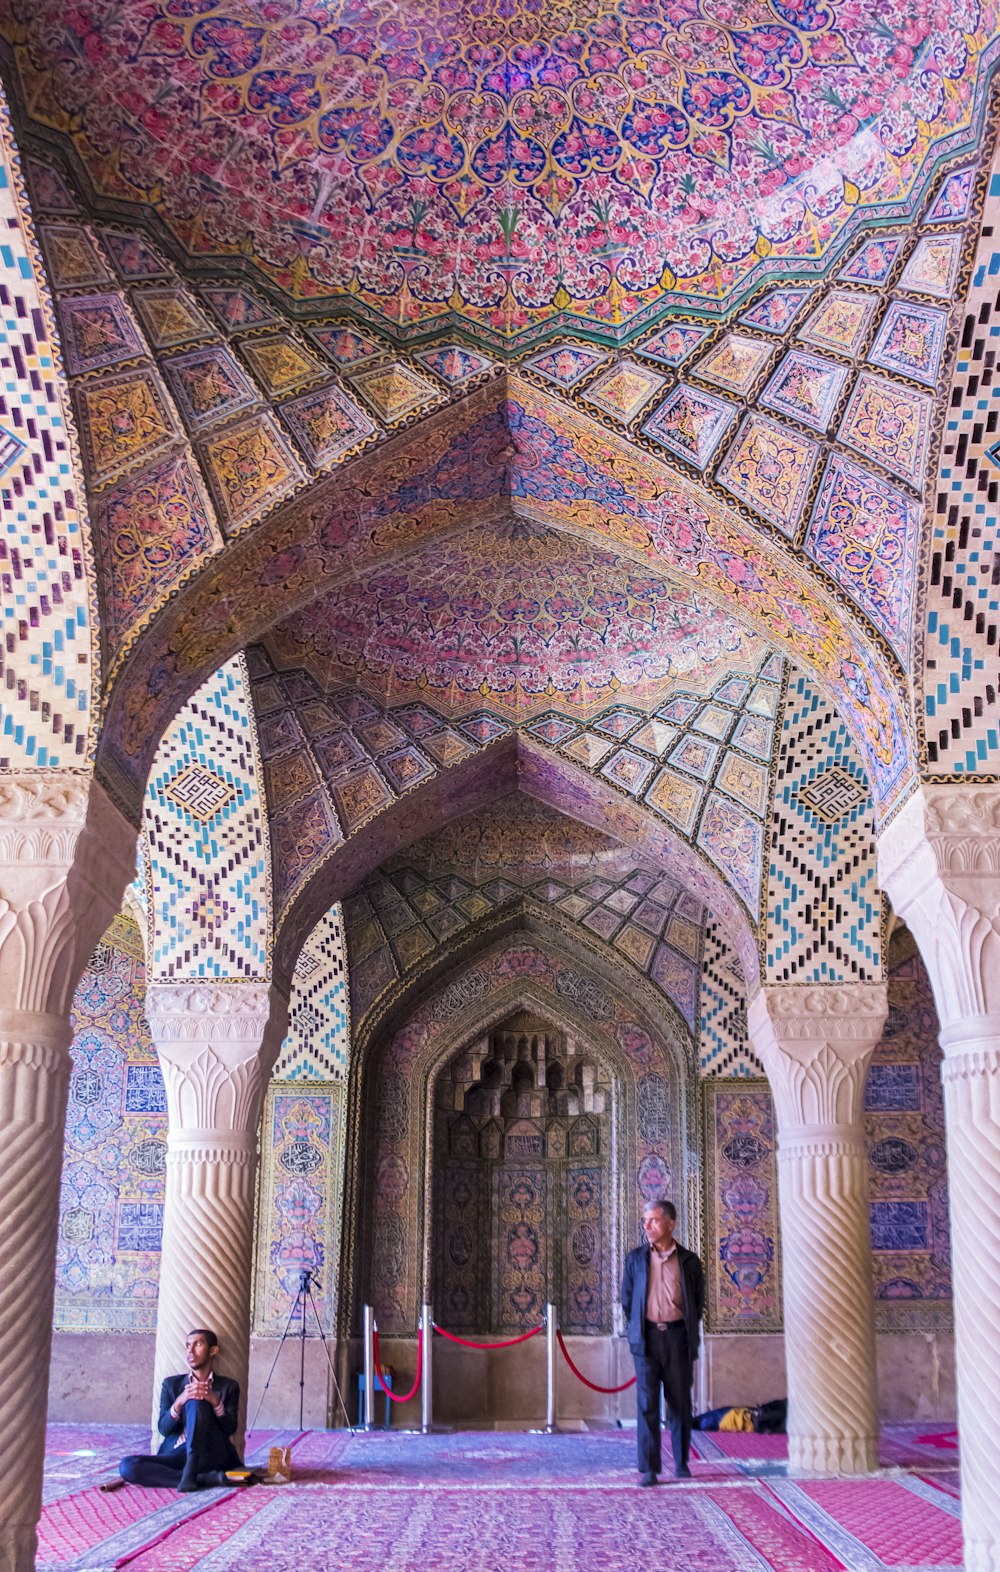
226	1390
635	1286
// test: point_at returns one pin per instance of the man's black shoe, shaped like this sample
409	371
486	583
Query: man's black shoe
648	1479
683	1472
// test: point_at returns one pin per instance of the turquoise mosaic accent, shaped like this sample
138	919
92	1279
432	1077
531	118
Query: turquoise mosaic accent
823	920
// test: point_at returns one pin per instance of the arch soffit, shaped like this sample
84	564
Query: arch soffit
499	768
509	446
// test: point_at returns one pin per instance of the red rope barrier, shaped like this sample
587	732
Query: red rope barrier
606	1389
398	1397
509	1343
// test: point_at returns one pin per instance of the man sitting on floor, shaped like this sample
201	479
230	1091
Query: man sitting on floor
198	1417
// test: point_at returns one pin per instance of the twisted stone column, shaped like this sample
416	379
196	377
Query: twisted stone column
217	1044
816	1042
66	856
939	862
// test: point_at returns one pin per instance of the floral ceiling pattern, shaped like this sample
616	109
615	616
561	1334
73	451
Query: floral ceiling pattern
513	166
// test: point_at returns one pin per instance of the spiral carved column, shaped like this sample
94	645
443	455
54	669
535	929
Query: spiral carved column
65	858
217	1045
816	1043
939	862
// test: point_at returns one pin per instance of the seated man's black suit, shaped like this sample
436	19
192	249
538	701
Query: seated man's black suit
196	1443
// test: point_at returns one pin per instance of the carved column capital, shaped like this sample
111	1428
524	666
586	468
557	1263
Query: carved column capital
66	855
815	1042
939	863
217	1044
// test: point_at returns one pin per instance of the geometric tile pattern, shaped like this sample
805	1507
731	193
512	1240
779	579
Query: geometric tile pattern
873	261
317	1045
735	362
691	424
933	266
807	388
960	680
840	322
625	390
96	331
204	824
724	1048
47	663
823	907
441	887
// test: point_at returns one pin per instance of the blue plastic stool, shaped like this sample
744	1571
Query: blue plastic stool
378	1388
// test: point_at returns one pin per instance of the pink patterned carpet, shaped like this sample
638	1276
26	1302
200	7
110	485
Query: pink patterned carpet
506	1502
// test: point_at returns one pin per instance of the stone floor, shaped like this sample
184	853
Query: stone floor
521	1502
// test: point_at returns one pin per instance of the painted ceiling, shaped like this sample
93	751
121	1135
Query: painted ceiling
508	165
512	615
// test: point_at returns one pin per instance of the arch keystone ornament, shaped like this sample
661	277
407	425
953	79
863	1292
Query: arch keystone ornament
66	856
939	862
816	1042
217	1045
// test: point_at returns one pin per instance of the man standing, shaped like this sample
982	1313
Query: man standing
663	1297
199	1413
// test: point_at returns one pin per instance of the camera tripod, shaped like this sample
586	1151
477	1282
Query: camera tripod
304	1297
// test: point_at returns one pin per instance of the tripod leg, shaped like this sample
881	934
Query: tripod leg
274	1361
333	1373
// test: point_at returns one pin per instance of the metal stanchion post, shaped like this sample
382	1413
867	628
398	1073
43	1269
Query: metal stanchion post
427	1389
370	1367
551	1327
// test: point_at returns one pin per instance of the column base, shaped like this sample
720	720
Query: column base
17	1549
981	1555
833	1454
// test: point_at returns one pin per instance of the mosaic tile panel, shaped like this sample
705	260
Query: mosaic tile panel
823	903
775	311
47	657
346	346
170	317
890	423
672	345
954	200
933	266
874	259
150	529
454	363
734	840
744	1276
97	331
135	259
250	468
115	1150
841	321
74	261
124	422
395	392
237	309
208	386
281	364
204	823
328	426
864	532
300	1205
691	424
724	1049
807	388
770	467
624	392
566	366
960	679
735	363
911	341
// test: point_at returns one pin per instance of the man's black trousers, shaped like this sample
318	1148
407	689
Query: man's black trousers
665	1363
206	1449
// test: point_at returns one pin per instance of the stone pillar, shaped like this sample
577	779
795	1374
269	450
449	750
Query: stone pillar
815	1042
217	1044
66	855
939	863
